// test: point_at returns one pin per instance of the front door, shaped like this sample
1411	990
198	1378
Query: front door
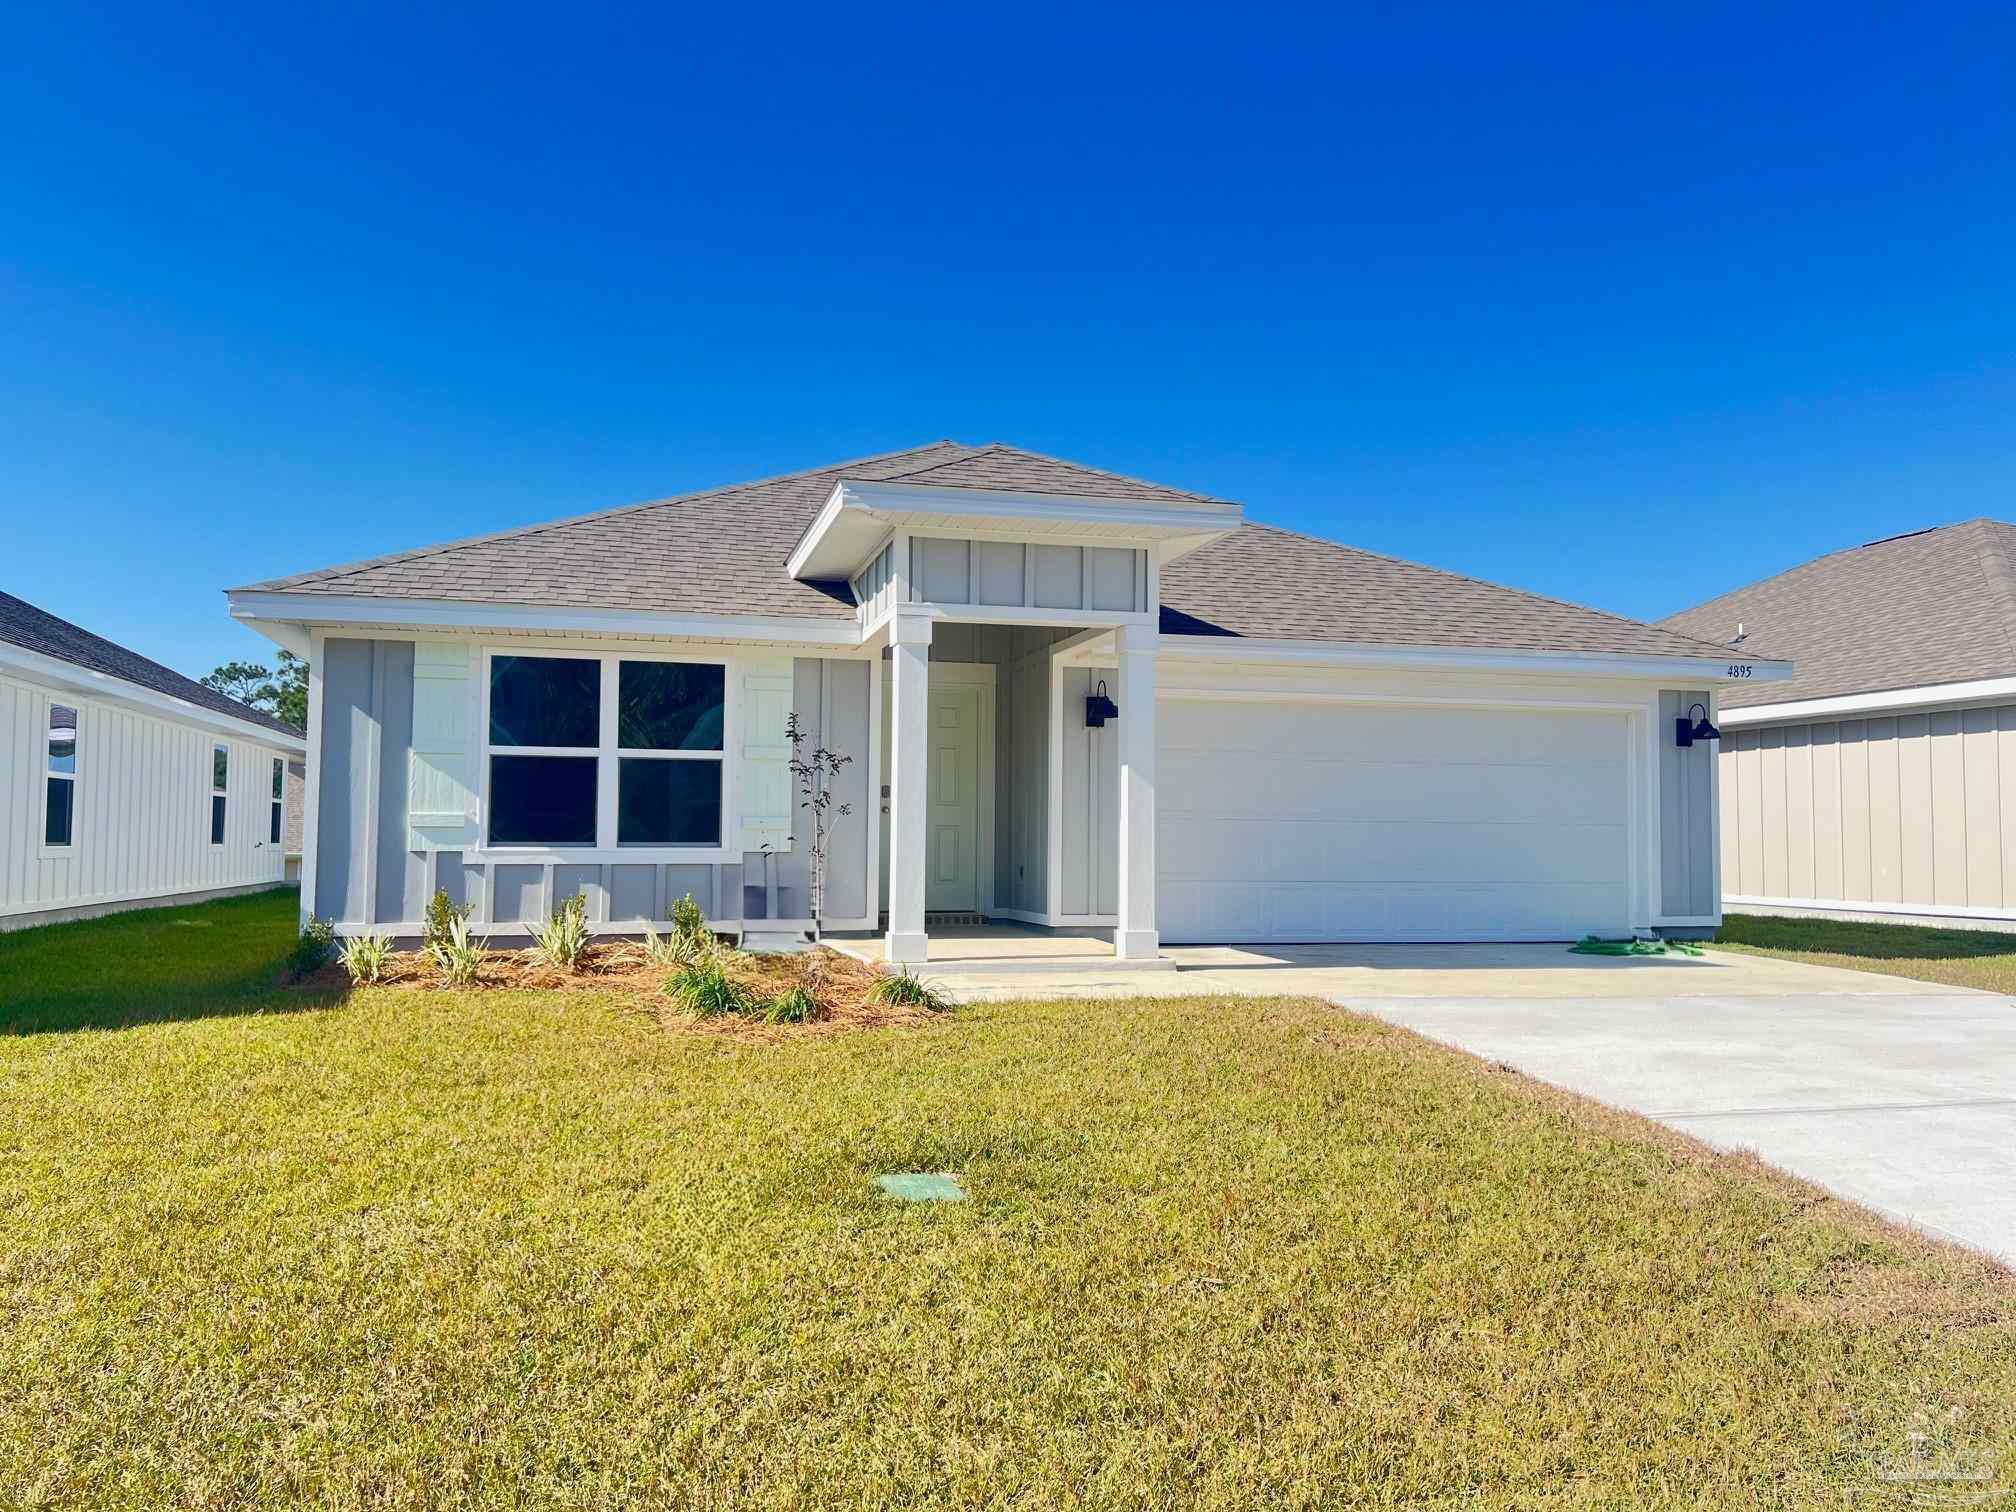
952	853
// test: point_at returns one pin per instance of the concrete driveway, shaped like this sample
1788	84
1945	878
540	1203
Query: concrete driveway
1894	1094
1903	1101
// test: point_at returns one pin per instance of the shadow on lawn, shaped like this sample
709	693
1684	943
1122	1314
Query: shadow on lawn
1875	942
160	965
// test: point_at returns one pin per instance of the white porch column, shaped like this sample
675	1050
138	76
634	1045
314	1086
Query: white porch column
1135	937
909	755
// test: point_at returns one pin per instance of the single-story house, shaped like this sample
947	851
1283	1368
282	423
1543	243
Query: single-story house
1880	779
126	785
1070	699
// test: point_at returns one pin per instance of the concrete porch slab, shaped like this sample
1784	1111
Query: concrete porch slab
1020	951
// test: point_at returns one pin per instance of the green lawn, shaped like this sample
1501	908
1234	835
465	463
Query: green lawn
1958	957
417	1249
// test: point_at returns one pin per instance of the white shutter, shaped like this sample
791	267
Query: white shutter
440	799
763	775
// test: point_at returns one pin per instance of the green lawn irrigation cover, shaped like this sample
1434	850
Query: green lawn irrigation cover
922	1186
1590	945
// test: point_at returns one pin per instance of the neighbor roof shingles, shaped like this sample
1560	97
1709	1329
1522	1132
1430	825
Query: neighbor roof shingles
32	629
722	551
1935	606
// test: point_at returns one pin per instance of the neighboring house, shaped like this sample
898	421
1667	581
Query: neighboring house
1880	779
126	785
1310	743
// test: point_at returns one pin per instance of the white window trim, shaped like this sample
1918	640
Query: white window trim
606	850
278	832
216	792
43	849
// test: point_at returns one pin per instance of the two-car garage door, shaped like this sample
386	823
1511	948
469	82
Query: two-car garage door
1311	821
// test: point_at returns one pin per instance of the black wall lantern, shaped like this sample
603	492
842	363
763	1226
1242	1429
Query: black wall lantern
1099	708
1686	731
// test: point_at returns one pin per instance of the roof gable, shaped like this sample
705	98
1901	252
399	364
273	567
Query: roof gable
1931	607
999	466
37	630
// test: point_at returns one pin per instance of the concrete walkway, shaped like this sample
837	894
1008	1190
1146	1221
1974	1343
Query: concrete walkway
1378	971
1895	1094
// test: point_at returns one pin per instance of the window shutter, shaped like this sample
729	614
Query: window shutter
440	797
763	775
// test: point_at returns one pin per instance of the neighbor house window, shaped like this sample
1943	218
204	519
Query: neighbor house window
606	749
220	782
59	823
279	801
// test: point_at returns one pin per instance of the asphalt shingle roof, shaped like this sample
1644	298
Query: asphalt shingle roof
1273	584
32	629
722	551
1935	606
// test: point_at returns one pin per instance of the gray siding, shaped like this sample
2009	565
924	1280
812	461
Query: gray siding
1687	882
831	700
1022	815
1091	829
362	820
1911	810
361	681
949	571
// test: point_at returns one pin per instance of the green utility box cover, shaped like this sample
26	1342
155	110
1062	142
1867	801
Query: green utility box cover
1590	945
922	1186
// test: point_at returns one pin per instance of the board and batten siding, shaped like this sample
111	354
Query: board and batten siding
1688	887
142	808
397	810
1008	574
1905	811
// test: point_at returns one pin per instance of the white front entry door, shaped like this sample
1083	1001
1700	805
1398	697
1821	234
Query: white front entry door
1293	822
952	850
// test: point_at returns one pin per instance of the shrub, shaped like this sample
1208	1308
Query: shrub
365	957
704	990
441	916
689	927
794	1005
902	989
313	950
457	957
562	940
678	948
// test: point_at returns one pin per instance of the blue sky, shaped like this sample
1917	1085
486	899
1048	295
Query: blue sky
1623	306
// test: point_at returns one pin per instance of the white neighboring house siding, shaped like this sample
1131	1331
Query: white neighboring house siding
1891	805
142	809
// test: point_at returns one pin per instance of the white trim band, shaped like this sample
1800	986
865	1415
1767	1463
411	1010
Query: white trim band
1891	701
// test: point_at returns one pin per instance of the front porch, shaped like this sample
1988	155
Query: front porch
1006	810
1004	945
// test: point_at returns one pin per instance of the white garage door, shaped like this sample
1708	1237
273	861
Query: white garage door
1309	821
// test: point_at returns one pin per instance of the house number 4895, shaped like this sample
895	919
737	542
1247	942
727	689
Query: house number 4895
1740	669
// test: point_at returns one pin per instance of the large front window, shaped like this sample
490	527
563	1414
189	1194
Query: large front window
605	750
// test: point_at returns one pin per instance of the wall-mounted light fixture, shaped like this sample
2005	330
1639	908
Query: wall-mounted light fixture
1686	730
1099	708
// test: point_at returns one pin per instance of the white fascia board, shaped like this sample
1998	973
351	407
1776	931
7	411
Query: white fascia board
855	516
332	611
105	688
1667	669
1853	705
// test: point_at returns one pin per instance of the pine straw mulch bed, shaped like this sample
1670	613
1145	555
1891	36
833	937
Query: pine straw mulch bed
838	983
